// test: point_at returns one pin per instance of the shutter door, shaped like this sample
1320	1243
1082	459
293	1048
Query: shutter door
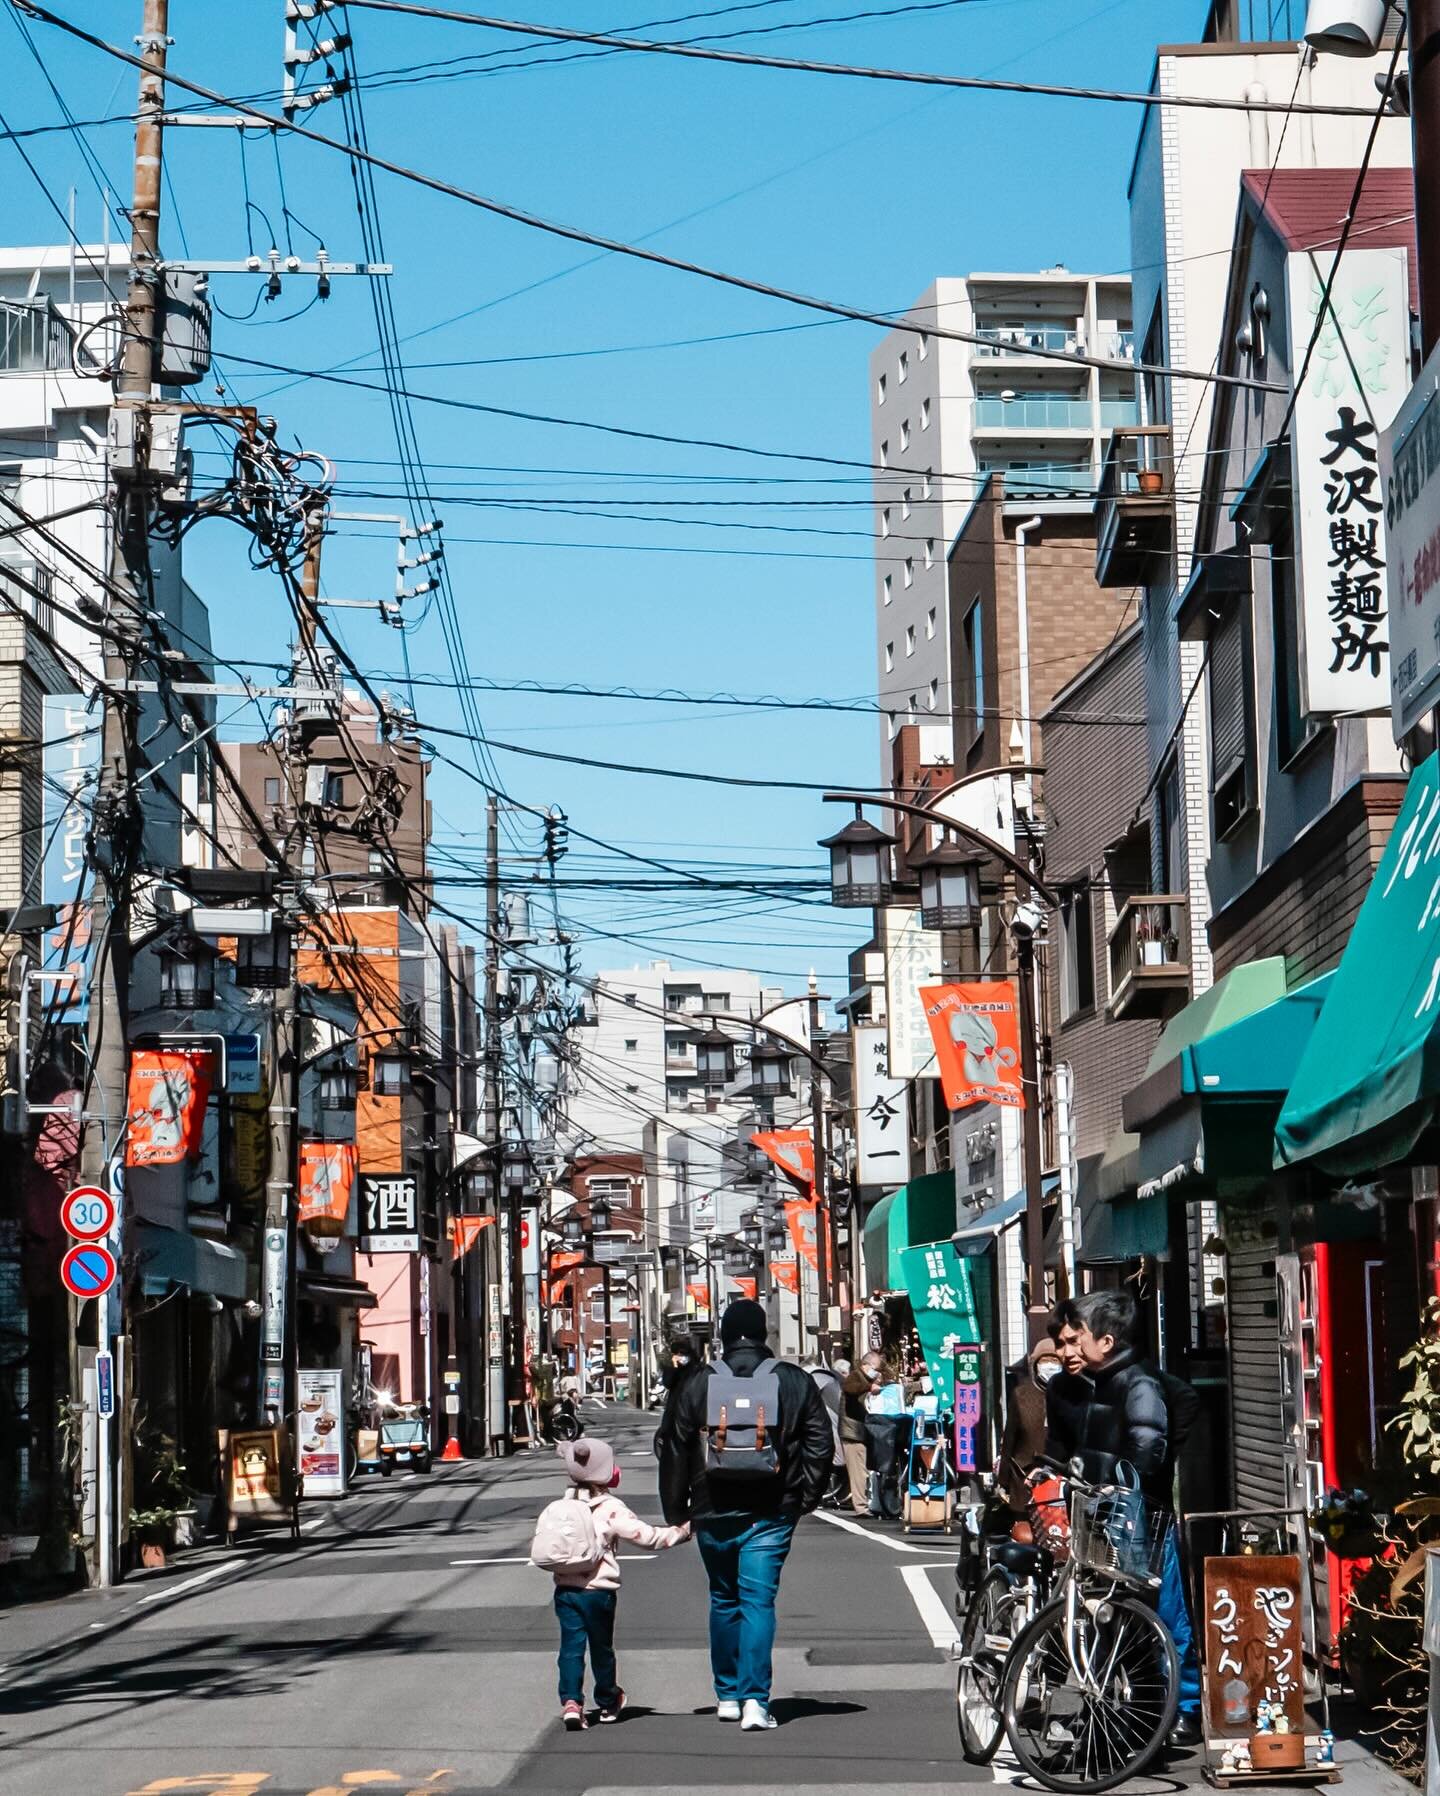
1227	694
1256	1405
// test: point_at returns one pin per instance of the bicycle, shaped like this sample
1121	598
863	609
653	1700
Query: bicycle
1091	1683
1013	1583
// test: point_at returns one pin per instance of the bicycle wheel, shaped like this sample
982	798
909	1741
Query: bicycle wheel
982	1667
1085	1714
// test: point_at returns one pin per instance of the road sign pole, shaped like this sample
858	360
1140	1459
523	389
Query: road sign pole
104	1471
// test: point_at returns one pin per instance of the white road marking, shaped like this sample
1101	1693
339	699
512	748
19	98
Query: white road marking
884	1540
939	1623
624	1559
215	1571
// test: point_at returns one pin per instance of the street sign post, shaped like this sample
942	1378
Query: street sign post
88	1269
87	1213
105	1385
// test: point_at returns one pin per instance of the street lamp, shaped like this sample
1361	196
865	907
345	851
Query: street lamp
187	971
599	1215
714	1058
769	1072
949	887
479	1187
262	962
572	1228
339	1083
390	1072
860	877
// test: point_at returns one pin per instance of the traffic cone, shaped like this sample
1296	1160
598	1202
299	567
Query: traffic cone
452	1449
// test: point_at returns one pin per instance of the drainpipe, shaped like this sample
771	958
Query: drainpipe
1022	616
1258	124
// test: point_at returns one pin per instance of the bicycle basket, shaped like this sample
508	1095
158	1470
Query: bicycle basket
1120	1533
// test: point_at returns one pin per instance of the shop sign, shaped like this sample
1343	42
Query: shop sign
70	733
785	1272
976	1032
165	1105
938	1282
1357	375
320	1433
882	1112
242	1065
1410	474
327	1180
390	1213
912	959
801	1221
1252	1641
254	1485
793	1151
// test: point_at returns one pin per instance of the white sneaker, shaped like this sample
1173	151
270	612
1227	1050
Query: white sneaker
755	1715
727	1709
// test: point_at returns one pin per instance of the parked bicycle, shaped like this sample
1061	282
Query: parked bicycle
1084	1685
1011	1583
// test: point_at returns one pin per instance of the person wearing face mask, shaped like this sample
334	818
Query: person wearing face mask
855	1387
684	1363
1022	1444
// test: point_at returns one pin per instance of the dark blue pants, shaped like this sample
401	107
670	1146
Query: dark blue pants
743	1556
1175	1613
587	1617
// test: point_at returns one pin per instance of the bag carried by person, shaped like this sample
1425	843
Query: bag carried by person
742	1422
566	1537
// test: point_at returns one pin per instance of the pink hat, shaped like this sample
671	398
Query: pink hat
588	1461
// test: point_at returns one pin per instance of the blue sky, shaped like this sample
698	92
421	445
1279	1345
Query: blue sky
857	191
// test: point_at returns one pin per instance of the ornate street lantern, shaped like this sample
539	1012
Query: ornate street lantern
949	887
187	971
860	877
769	1071
339	1083
572	1228
262	962
479	1187
715	1058
390	1072
599	1215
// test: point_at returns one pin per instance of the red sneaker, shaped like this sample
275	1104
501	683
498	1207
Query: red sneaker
611	1711
573	1715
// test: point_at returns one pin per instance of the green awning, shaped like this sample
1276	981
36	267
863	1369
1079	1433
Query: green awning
170	1257
1368	1081
1128	1228
1243	990
1209	1113
920	1212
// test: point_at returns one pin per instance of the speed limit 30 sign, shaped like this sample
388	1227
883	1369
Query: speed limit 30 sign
87	1213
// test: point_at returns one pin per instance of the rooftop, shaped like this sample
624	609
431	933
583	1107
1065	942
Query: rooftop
1307	208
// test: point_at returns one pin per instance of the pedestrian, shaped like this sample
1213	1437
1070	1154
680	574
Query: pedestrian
1022	1443
684	1363
743	1475
827	1382
1126	1416
575	1540
855	1387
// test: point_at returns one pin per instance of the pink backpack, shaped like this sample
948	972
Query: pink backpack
566	1537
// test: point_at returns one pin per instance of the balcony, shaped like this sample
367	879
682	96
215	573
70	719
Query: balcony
1060	480
1135	506
1017	339
1033	413
33	337
1150	956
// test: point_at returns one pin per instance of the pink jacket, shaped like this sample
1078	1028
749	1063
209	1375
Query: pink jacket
615	1521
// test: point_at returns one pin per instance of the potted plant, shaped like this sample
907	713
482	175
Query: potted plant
1151	482
1347	1523
154	1529
166	1516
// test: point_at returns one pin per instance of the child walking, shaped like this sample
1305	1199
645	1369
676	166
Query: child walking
578	1546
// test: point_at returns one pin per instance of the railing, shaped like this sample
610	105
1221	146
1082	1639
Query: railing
1149	947
34	338
29	585
1115	414
1138	463
1015	339
1046	482
1120	345
1035	414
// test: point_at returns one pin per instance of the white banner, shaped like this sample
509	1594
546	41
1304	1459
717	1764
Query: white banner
1359	373
320	1433
1410	470
882	1112
912	959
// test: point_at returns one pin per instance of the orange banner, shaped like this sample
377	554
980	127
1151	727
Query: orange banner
747	1287
786	1274
560	1261
701	1295
976	1032
793	1151
465	1232
165	1105
800	1220
327	1181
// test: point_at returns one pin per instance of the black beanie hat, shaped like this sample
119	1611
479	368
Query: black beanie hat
743	1321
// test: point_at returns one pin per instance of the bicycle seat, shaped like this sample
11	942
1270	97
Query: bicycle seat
1023	1561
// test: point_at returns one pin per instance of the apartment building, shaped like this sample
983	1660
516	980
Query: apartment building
944	414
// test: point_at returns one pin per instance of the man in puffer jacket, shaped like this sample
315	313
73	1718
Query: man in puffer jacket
1124	1416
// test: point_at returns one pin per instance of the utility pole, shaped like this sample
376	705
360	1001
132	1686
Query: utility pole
1037	1313
116	829
822	1181
1424	31
490	1131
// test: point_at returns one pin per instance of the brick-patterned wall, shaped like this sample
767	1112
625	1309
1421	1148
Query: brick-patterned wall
1304	905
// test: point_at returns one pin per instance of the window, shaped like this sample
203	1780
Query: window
1172	831
1157	386
930	552
928	487
892	725
880	391
885	521
934	694
924	346
924	414
887	586
376	861
904	435
884	455
632	1046
973	636
889	657
1293	728
909	639
1077	953
597	1309
914	704
630	998
334	788
715	1001
272	791
905	503
904	366
930	624
674	1000
909	570
1230	725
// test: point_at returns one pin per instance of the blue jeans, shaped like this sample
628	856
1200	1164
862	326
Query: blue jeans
1174	1611
743	1556
587	1616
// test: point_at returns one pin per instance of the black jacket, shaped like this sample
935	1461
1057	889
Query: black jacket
806	1449
1121	1416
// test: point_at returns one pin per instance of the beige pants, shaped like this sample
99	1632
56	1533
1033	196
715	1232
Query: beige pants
855	1467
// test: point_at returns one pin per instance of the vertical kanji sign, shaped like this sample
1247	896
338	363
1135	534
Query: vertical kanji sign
943	1302
1359	372
1251	1640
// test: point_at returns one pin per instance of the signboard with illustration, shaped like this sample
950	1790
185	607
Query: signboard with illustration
165	1107
1252	1642
70	734
320	1433
976	1031
938	1282
1359	372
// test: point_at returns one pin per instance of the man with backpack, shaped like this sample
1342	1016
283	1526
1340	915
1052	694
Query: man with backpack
750	1451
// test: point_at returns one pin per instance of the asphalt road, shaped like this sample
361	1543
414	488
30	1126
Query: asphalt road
406	1645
